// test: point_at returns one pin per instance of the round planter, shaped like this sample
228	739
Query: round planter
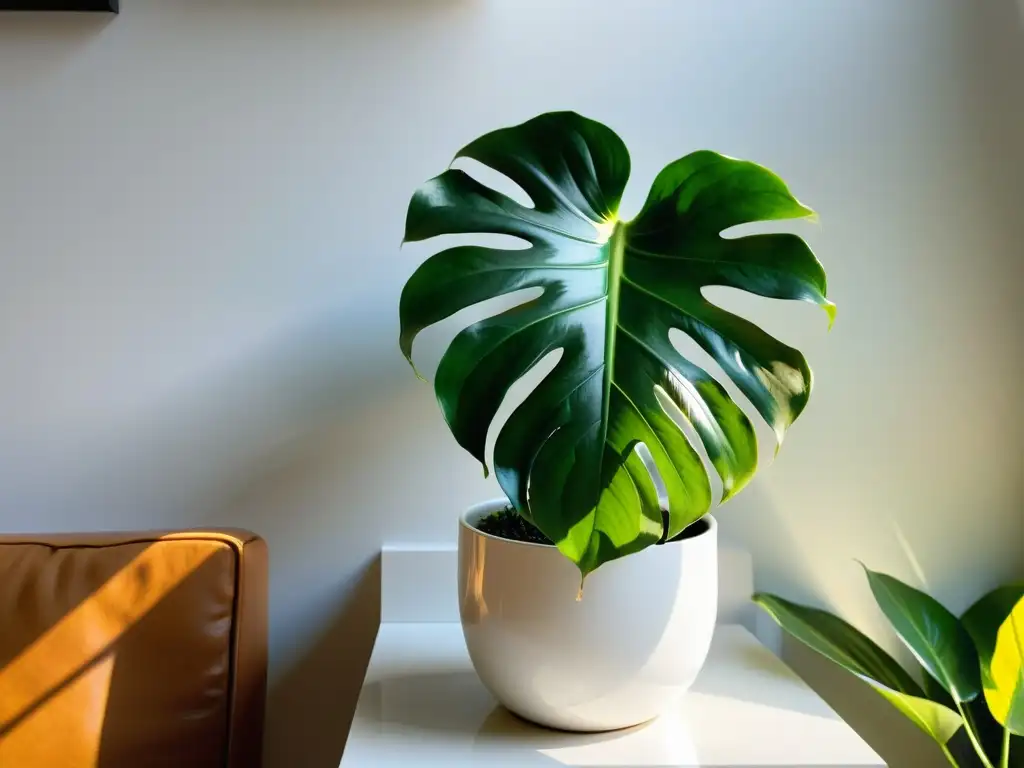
620	656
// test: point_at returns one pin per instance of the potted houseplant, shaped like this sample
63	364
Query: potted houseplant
583	517
970	685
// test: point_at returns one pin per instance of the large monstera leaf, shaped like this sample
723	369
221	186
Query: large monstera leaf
611	291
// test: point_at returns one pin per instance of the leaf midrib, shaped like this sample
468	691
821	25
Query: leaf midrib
533	222
731	262
616	257
541	175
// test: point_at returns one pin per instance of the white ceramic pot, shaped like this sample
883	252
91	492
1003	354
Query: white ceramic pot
619	657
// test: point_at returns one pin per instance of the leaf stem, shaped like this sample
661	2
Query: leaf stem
1004	760
971	729
949	755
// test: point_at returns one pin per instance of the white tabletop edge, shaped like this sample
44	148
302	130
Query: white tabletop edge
422	705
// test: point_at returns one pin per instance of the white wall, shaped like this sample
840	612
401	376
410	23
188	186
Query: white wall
200	208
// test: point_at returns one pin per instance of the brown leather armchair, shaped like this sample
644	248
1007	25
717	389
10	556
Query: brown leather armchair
137	650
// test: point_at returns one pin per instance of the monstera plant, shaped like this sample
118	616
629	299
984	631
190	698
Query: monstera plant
972	676
611	290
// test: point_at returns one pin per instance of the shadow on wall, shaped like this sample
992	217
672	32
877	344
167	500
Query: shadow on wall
310	705
289	438
287	441
788	563
304	489
317	500
46	43
304	497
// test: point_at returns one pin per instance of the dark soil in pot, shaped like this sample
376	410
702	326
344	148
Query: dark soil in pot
693	530
508	524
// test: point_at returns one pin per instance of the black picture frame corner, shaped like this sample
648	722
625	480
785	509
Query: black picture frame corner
97	6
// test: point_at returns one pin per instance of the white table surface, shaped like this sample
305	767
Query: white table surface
423	705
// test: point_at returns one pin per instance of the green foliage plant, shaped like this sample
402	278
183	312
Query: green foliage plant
971	677
611	290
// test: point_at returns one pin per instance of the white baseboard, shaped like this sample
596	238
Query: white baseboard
419	583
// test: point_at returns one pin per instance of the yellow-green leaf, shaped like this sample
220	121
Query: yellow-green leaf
983	620
1004	688
938	721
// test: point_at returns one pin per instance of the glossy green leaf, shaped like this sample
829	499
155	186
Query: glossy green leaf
611	291
1004	685
934	635
845	645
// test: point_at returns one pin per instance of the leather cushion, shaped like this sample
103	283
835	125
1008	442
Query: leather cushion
117	651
